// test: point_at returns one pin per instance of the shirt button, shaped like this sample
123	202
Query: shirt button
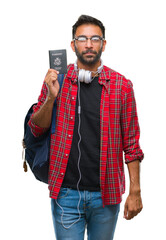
69	136
72	98
71	118
66	154
62	173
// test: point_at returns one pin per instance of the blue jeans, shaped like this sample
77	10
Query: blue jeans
70	219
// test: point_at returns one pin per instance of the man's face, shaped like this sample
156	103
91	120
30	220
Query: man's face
88	52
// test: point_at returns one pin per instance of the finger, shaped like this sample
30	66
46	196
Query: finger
131	214
139	207
53	70
51	77
126	211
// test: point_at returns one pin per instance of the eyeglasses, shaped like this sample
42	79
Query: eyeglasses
94	39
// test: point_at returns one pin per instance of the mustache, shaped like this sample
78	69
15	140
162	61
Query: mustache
89	51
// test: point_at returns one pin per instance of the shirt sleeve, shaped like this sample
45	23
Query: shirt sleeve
130	126
36	130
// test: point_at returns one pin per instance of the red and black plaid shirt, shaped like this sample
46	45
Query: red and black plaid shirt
118	126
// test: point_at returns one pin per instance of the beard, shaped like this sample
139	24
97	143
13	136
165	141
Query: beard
88	60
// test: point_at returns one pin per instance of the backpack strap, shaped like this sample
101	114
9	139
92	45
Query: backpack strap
53	124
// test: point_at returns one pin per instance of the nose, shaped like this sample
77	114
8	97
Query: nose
89	43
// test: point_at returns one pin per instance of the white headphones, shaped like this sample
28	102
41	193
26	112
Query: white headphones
85	75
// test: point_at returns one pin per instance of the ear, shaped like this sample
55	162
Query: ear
104	44
73	45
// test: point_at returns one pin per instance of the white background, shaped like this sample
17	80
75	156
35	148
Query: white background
136	39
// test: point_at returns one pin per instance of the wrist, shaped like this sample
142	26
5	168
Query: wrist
50	99
136	190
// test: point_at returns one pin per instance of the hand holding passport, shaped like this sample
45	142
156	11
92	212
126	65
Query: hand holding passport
58	60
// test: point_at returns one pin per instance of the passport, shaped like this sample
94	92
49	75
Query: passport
58	60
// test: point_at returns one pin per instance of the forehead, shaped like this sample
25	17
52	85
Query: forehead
88	30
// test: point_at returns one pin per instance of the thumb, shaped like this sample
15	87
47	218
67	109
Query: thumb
125	211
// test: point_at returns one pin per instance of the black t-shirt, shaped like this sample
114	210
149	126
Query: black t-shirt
90	97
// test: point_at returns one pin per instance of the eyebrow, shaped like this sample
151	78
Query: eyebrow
91	36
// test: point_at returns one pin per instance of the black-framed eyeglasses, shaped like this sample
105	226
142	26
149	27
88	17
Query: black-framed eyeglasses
94	39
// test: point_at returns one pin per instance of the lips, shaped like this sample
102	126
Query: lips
89	52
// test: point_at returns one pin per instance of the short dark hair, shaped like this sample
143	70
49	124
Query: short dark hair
85	19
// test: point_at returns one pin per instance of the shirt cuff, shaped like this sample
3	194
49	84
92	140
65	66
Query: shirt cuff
131	158
36	130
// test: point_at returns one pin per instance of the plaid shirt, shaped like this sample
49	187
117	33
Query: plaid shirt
118	126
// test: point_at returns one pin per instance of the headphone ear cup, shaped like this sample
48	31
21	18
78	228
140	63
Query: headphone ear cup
75	66
84	76
80	75
88	77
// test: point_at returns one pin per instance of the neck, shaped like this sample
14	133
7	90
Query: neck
89	67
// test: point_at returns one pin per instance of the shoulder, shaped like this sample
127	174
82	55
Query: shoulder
116	78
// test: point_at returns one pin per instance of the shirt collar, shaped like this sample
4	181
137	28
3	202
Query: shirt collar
104	76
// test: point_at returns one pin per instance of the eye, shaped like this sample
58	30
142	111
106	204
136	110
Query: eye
95	38
81	39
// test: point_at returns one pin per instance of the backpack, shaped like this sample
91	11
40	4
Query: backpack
36	149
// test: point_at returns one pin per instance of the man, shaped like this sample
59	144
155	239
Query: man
95	123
